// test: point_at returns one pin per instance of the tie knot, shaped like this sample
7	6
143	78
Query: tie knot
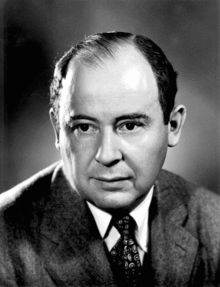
125	225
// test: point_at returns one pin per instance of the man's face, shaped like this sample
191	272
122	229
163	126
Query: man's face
112	137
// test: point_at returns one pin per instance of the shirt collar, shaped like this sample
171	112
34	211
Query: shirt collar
140	215
102	218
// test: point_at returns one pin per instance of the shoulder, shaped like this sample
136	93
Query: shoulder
32	188
201	204
189	193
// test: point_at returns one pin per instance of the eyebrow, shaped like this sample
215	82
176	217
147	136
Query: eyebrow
133	116
82	117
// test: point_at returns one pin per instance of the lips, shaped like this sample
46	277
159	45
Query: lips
112	179
113	183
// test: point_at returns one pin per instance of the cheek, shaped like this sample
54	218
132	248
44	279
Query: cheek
148	153
77	154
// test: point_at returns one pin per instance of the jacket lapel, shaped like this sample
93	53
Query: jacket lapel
173	248
73	249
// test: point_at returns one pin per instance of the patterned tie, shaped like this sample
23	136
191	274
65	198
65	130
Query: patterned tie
124	255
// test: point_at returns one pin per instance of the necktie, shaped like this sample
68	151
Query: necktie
124	255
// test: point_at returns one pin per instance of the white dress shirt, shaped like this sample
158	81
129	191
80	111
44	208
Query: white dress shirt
140	214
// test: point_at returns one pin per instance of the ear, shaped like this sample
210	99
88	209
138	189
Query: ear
55	127
175	125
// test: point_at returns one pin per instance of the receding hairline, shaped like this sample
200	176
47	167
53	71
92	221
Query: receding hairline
84	59
99	52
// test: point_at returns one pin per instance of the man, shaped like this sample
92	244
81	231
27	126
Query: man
107	215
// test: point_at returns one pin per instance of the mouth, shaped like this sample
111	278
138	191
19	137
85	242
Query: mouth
112	179
116	183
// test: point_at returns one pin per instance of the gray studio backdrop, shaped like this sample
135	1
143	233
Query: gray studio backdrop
36	33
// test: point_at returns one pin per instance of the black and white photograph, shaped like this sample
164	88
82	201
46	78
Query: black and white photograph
109	143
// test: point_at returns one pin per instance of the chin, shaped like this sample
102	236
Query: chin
115	203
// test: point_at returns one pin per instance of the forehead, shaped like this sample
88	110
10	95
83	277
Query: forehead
117	84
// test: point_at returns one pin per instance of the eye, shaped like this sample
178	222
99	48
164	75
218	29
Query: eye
85	129
130	126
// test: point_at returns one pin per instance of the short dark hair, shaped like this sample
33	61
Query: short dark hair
96	48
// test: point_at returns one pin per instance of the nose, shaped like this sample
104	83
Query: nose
108	152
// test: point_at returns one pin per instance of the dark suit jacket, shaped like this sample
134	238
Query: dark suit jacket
48	236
